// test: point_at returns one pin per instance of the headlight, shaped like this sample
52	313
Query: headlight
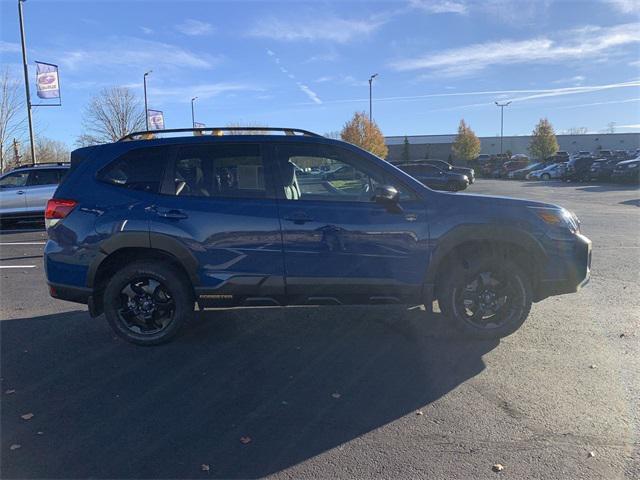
558	217
633	165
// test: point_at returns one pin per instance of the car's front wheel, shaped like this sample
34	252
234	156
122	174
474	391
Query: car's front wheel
147	302
546	176
485	298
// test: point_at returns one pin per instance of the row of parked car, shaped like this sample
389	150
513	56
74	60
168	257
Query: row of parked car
604	165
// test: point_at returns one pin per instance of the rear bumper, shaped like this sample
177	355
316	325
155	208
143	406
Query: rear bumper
576	268
70	293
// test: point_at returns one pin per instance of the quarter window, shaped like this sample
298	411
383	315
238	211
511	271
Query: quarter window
140	169
218	171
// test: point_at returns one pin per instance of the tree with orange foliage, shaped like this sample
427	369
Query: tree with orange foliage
365	134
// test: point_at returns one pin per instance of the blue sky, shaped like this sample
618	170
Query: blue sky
306	64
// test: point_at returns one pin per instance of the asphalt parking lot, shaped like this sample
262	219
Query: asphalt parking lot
333	392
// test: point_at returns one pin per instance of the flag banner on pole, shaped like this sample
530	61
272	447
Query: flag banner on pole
47	80
156	119
198	125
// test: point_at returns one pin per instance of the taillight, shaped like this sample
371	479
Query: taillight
57	209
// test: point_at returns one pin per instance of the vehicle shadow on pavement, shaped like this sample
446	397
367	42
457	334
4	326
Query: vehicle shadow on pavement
248	393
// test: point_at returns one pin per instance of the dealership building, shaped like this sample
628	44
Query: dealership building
439	146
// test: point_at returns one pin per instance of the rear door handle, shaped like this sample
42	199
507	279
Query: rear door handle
20	192
172	214
298	218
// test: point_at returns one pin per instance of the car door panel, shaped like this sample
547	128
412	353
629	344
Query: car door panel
235	241
350	251
13	187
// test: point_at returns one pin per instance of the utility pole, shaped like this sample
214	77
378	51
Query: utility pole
26	82
502	105
370	96
146	109
193	116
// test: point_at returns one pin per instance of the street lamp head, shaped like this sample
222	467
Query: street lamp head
373	76
508	103
147	73
497	103
194	98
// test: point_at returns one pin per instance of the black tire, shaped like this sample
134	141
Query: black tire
513	285
545	176
144	282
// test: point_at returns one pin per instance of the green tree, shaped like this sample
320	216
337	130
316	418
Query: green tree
543	140
466	145
365	134
406	156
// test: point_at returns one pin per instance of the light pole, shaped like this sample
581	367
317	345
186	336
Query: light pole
146	109
370	102
26	81
193	116
502	105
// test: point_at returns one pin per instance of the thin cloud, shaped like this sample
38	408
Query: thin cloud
587	42
532	94
310	93
135	52
576	80
323	57
9	47
301	86
194	28
146	30
625	6
634	126
327	28
202	91
440	6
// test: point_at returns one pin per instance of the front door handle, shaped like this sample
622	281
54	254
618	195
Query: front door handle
298	218
20	192
172	214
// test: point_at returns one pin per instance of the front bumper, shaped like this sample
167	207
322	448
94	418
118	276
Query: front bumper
572	269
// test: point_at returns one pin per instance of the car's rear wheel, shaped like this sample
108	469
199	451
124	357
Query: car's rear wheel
546	176
485	298
147	302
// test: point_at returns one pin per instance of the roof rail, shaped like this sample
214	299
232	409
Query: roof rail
216	131
41	164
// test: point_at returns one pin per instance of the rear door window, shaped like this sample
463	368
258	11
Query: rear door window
223	171
139	169
14	180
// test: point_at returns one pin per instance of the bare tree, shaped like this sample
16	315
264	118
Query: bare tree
47	150
11	122
111	115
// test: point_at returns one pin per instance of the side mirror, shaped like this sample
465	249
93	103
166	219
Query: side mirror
388	196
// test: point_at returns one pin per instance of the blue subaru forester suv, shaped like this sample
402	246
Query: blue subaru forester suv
146	228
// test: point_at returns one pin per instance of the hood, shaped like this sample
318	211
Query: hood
498	201
627	162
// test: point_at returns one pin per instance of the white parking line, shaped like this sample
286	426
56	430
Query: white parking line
17	266
23	243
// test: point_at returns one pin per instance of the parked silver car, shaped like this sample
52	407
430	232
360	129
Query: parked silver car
557	170
24	191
